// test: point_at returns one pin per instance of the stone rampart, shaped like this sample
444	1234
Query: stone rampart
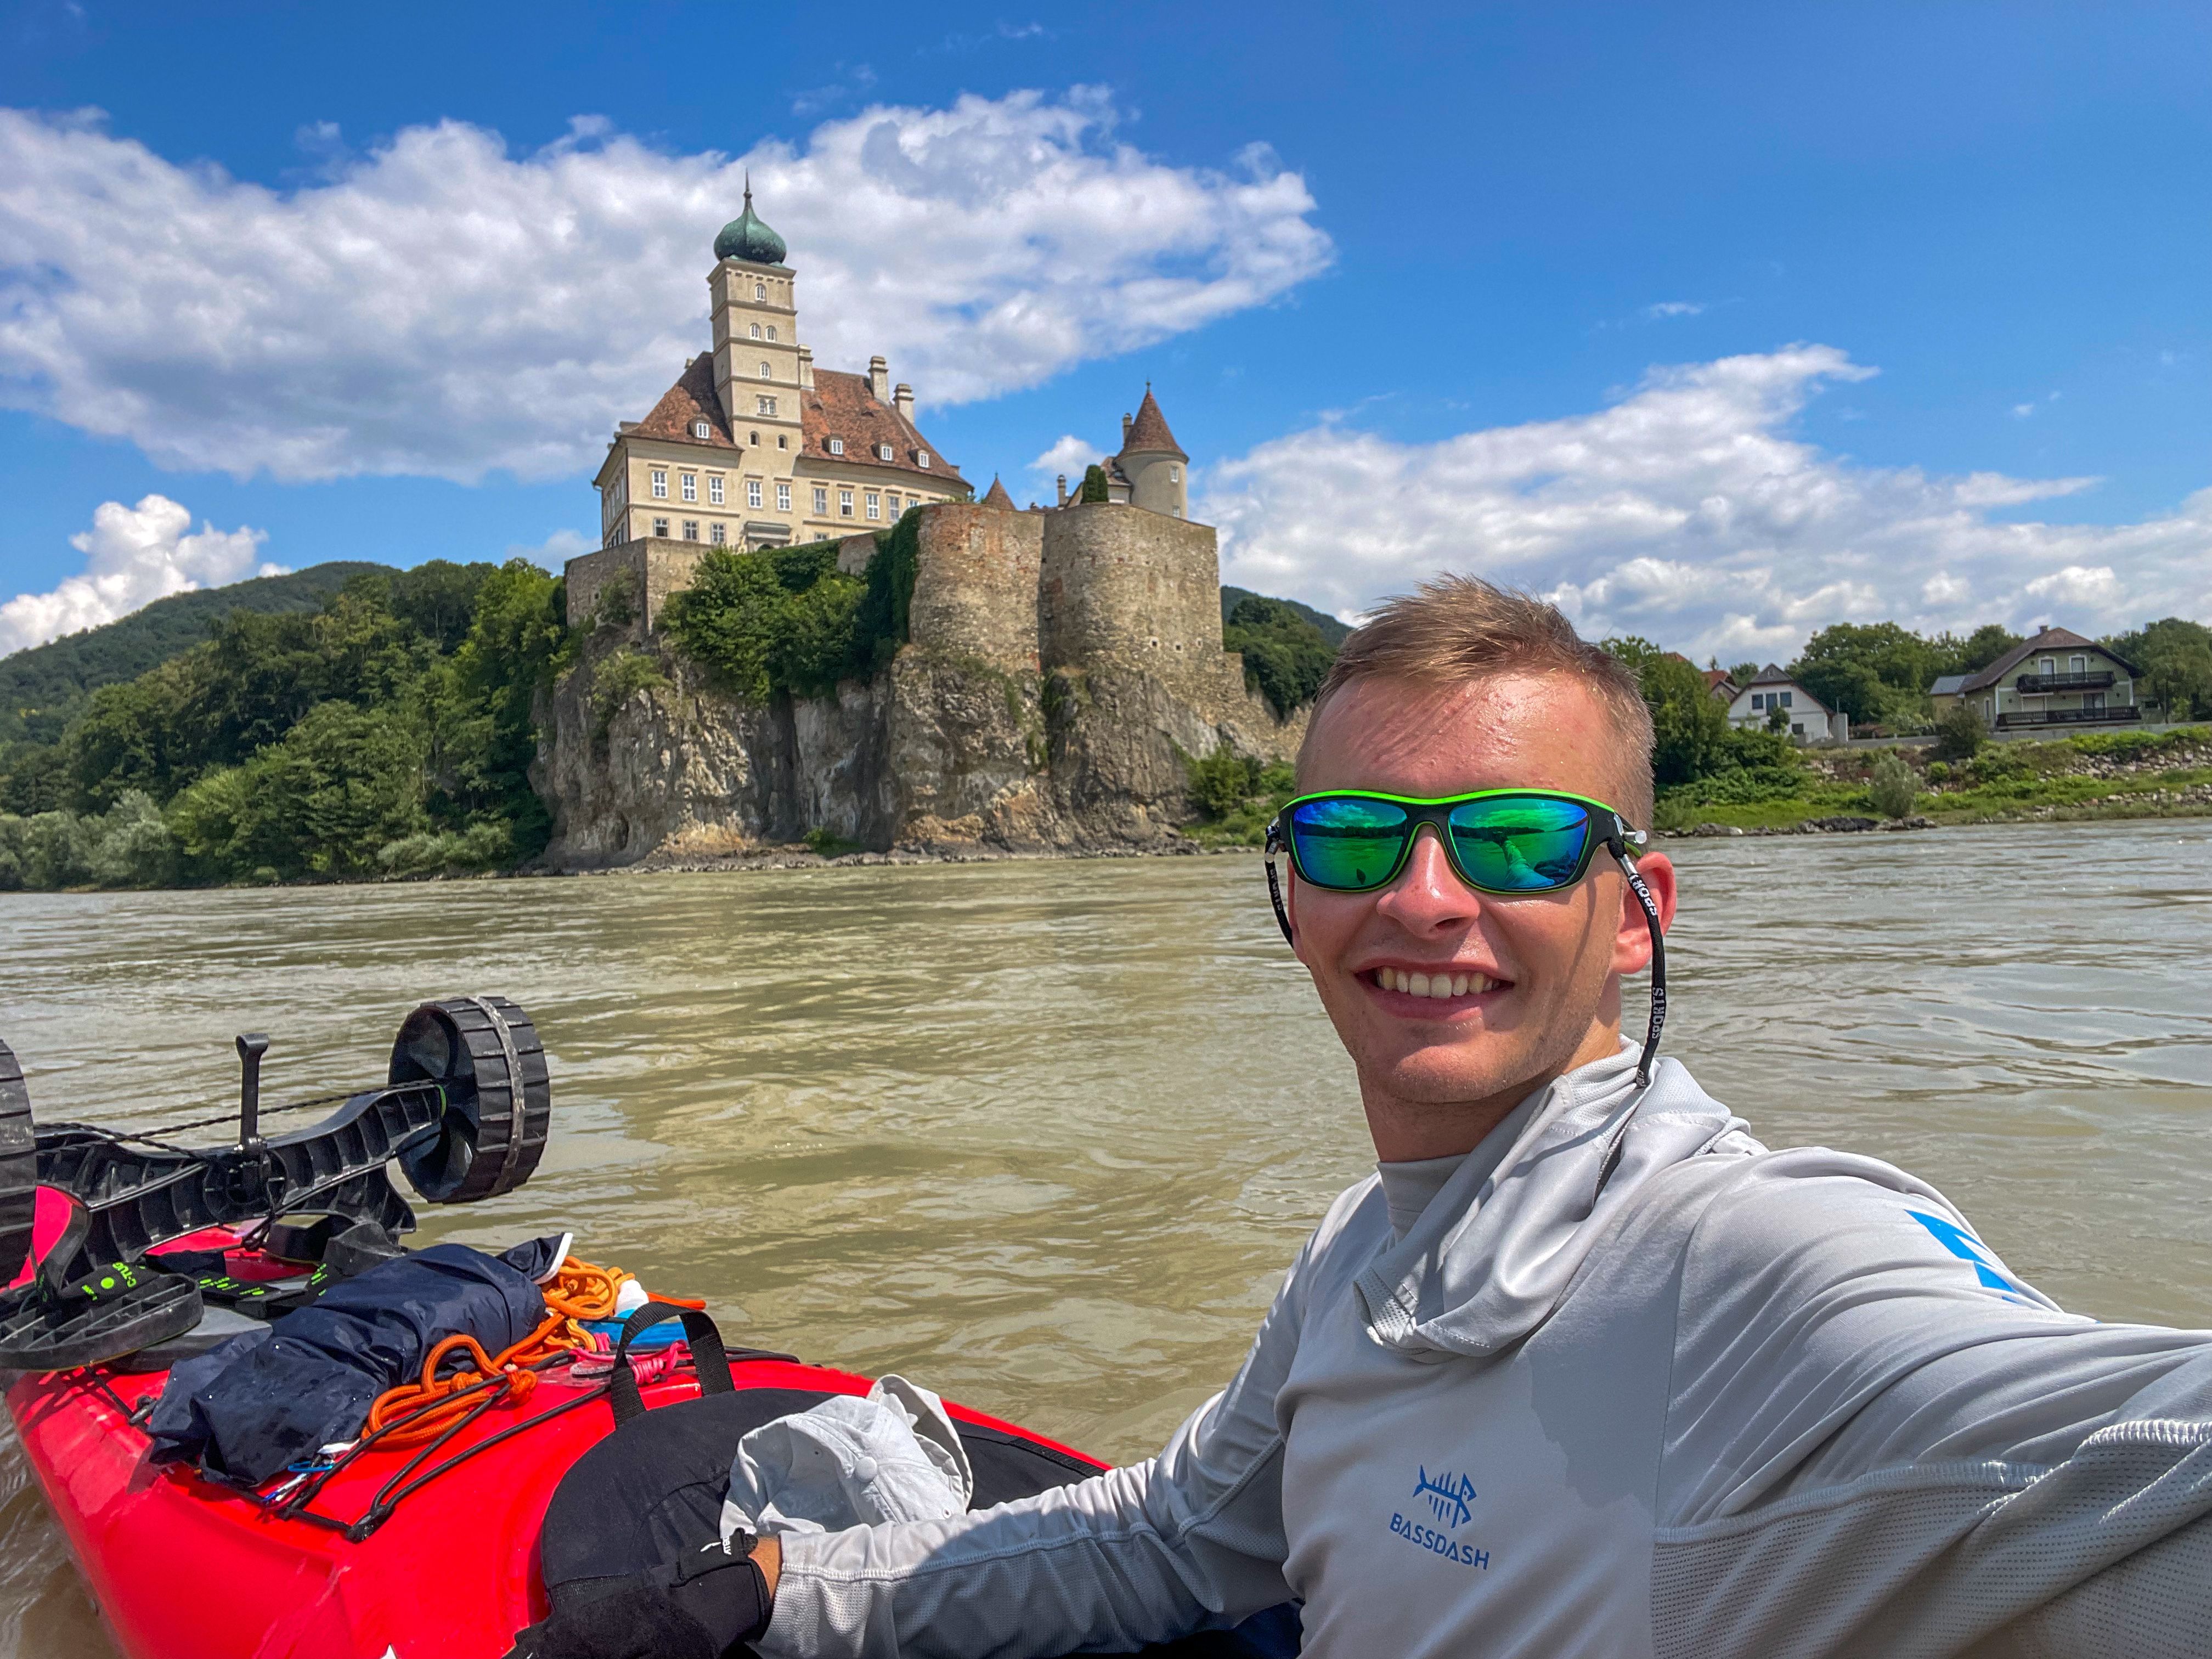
975	585
1124	588
654	568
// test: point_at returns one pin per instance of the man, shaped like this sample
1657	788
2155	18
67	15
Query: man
1582	1369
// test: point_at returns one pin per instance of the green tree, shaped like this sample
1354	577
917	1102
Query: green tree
1689	725
438	599
1094	484
1285	658
1892	785
1960	734
2174	658
1744	673
324	801
1874	672
482	732
1977	650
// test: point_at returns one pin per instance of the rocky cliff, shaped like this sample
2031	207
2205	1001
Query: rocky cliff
937	753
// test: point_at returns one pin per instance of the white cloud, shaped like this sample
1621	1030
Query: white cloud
442	307
1674	308
1689	512
1070	456
2022	412
132	556
555	551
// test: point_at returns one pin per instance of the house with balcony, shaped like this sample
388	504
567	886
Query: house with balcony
2055	678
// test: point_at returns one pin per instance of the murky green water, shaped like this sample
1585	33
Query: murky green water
1043	1135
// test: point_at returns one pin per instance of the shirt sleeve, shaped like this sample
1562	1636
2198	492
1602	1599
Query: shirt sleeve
1191	1540
1881	1441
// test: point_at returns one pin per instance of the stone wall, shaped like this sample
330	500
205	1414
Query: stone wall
1123	588
654	566
975	585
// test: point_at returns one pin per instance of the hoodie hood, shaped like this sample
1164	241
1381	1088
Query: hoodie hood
1492	1255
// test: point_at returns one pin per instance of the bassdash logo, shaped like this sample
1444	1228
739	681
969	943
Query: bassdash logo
1451	1498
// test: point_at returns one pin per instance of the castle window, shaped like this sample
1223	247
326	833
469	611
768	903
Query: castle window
717	534
691	530
921	457
890	504
756	330
714	489
1175	473
883	451
821	498
783	498
690	486
660	527
783	441
755	437
844	503
767	406
659	484
701	429
836	445
760	290
875	505
753	492
767	374
771	331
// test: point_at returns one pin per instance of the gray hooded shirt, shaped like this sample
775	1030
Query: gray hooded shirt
1627	1383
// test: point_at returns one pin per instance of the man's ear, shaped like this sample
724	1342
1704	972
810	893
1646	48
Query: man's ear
1632	940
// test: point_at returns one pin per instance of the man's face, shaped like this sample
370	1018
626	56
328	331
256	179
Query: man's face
1543	969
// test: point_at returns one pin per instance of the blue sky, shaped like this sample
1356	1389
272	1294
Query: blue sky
1717	323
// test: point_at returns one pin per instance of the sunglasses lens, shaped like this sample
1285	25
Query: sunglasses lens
1348	842
1519	843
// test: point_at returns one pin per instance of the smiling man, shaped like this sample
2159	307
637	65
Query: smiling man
1582	1369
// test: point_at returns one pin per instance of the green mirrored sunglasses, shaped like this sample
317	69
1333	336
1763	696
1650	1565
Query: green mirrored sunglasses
1509	843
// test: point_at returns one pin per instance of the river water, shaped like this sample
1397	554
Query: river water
1042	1135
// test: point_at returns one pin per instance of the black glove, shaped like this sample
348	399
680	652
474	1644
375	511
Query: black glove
699	1606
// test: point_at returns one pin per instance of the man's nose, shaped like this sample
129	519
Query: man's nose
1428	893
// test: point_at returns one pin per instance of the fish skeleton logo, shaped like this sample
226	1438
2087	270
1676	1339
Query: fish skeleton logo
1450	1501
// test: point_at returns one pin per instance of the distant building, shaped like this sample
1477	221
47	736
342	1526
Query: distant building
1803	716
2056	678
753	446
1718	683
1152	471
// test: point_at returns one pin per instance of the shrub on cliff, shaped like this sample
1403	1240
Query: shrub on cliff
786	620
1285	658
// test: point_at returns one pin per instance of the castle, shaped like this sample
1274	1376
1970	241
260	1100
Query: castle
1115	602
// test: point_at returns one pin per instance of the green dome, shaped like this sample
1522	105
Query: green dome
746	238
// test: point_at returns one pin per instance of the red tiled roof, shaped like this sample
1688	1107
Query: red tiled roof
1717	677
1150	429
2047	640
690	400
997	496
841	405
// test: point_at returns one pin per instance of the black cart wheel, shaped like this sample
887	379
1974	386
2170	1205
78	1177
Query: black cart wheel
19	1168
484	1051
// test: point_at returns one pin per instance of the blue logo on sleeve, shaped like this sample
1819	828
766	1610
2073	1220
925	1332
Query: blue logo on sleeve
1451	1498
1964	1245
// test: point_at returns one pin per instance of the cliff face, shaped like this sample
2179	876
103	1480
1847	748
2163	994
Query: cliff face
938	754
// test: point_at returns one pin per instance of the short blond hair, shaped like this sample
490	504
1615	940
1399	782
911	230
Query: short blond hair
1453	630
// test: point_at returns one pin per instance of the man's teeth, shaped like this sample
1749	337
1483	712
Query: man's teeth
1432	985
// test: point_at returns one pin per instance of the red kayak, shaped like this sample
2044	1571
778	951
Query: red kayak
417	1551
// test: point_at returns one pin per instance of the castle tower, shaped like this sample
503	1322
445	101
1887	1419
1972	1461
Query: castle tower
760	367
1153	463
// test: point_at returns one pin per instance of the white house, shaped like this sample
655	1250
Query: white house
1802	715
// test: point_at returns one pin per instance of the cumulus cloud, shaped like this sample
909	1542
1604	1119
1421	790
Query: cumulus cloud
132	556
440	305
1070	456
1689	511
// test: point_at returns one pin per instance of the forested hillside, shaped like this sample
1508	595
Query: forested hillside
43	689
386	733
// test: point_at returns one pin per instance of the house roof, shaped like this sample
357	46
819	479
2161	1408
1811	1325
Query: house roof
841	405
838	405
1947	685
1716	679
2047	639
997	496
1149	430
1772	675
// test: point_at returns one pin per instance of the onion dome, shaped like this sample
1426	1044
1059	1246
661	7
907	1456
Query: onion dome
746	238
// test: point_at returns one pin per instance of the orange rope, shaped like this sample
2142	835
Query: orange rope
578	1291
